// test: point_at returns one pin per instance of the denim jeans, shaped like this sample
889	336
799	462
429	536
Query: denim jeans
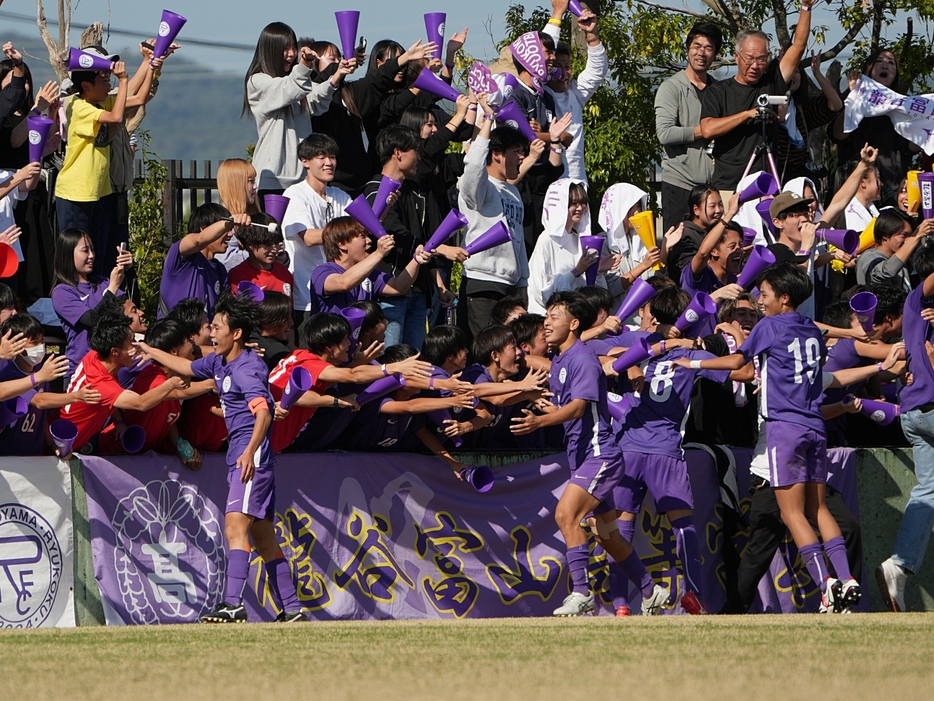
915	529
408	319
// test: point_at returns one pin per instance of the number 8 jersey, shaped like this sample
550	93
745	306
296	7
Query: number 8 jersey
656	425
790	349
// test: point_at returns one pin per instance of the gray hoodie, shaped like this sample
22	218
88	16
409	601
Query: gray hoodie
677	111
281	123
484	200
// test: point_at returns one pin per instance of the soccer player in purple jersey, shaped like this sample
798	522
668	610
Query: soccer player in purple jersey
243	388
651	444
580	403
790	349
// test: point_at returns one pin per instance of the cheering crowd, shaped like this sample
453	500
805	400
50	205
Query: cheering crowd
329	302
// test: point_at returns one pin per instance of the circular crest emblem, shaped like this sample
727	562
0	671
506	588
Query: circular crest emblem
34	137
163	29
85	61
226	384
563	375
878	416
691	315
30	567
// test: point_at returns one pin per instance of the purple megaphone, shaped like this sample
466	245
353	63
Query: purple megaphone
169	28
640	293
699	309
479	477
926	188
763	209
635	354
355	317
347	22
619	405
511	115
765	185
39	128
749	236
12	410
133	439
361	211
381	387
864	306
64	433
505	84
882	413
387	186
251	291
846	240
596	243
431	83
83	61
575	8
760	259
434	26
275	206
299	383
452	222
495	236
438	417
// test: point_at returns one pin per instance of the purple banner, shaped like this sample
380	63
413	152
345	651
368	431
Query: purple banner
371	536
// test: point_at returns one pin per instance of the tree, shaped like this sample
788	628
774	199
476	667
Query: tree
58	51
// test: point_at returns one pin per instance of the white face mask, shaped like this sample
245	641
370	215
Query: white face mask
33	356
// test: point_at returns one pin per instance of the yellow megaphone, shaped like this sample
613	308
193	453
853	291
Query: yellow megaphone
914	191
644	224
867	239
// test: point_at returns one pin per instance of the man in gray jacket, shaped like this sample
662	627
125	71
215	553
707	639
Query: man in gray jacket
685	162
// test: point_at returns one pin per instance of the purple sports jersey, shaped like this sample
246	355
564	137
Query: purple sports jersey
370	289
790	349
195	276
841	355
70	304
656	425
25	437
239	383
916	331
577	374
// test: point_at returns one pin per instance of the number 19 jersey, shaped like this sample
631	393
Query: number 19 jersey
790	349
656	425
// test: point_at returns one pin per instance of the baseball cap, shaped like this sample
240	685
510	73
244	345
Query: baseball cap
784	201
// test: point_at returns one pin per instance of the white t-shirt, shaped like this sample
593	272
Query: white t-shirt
6	209
308	210
858	216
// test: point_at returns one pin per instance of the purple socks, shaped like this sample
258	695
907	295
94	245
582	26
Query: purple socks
238	567
619	585
836	553
635	571
813	558
578	557
279	577
688	553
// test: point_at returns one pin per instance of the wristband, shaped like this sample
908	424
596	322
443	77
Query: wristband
336	403
807	9
554	22
695	365
880	368
557	150
385	371
472	108
574	271
449	66
489	116
32	378
662	347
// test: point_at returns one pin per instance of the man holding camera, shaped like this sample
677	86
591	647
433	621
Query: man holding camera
731	116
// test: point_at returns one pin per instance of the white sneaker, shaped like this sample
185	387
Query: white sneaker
575	604
831	598
891	580
652	605
850	594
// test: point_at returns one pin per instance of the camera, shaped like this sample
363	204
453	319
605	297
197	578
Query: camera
771	100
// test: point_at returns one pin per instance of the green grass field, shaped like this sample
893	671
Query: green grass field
870	656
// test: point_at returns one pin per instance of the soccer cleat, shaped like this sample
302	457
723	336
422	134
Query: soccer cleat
831	601
691	604
575	604
652	605
225	613
850	594
293	617
622	611
891	580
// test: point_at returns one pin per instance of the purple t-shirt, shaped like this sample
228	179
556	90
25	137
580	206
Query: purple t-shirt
71	303
577	374
369	289
656	425
25	437
916	331
195	276
790	350
239	383
496	434
841	356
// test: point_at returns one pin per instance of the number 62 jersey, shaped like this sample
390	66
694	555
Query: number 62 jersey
790	349
655	426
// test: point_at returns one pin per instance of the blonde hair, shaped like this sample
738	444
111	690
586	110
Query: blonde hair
232	176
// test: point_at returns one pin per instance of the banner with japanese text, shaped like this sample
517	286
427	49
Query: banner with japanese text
379	536
36	544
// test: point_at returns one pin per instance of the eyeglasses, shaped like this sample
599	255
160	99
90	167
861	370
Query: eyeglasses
758	60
